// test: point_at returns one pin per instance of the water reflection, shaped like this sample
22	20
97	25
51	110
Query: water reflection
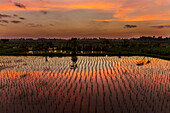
74	56
46	59
74	60
100	84
143	62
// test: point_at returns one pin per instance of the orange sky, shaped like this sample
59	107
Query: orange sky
84	18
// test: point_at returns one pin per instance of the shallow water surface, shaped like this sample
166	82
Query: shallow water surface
97	85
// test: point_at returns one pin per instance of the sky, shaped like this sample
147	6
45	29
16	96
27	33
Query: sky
84	18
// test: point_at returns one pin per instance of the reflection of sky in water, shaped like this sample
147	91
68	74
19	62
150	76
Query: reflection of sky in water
32	81
8	63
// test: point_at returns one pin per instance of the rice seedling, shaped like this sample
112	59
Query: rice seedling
99	84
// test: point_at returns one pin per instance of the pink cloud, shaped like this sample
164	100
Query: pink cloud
124	10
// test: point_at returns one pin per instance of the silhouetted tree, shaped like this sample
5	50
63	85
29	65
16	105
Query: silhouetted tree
4	40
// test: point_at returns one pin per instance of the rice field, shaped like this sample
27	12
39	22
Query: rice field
31	84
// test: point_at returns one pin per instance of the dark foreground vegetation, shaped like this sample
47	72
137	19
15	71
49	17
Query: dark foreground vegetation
145	46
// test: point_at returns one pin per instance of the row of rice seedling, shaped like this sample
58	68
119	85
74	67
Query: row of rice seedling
98	84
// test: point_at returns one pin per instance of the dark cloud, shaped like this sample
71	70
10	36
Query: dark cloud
19	5
34	25
105	22
44	12
15	15
16	21
4	21
22	18
161	26
51	24
4	15
130	26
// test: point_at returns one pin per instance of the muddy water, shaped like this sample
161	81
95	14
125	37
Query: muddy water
95	85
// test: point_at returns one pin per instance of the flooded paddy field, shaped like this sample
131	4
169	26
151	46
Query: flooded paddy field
32	84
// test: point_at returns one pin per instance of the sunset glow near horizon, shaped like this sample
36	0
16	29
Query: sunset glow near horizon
84	18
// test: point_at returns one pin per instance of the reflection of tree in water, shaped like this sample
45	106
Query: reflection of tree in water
74	57
143	62
74	60
46	59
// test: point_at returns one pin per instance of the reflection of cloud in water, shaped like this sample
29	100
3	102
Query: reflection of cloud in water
58	88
